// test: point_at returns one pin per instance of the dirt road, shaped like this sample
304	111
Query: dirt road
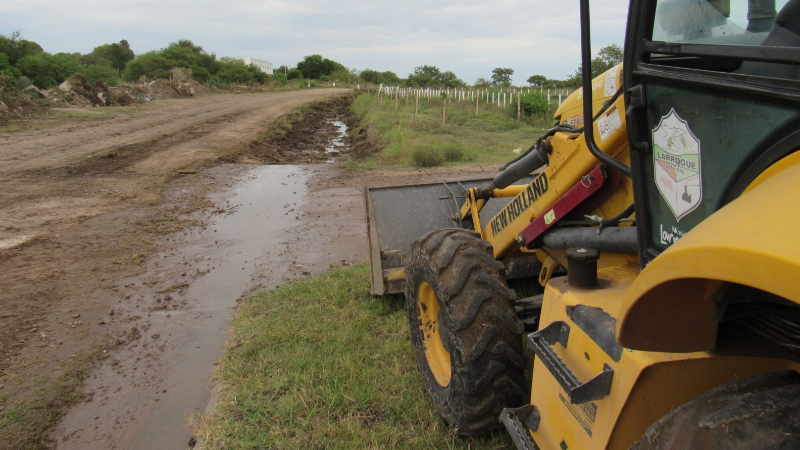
125	244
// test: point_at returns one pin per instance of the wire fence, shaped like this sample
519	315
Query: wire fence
500	97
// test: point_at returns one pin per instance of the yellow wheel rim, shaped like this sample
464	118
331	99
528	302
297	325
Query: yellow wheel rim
438	357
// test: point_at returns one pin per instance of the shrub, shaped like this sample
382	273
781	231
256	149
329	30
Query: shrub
150	65
99	72
46	70
294	74
427	157
533	104
232	70
279	78
453	152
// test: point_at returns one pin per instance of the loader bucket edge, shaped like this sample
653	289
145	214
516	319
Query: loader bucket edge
398	215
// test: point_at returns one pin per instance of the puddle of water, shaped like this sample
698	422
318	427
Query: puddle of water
258	212
338	142
157	383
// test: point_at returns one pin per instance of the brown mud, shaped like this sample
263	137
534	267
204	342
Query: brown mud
131	239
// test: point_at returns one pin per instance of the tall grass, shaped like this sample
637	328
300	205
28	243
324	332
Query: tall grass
487	138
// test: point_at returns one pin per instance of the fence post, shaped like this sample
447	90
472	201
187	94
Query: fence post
416	107
519	109
444	108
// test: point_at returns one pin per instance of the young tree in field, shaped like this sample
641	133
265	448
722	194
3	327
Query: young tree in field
537	80
371	76
425	76
482	83
450	80
502	75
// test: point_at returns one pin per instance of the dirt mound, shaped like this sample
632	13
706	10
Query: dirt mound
313	134
366	140
14	102
77	90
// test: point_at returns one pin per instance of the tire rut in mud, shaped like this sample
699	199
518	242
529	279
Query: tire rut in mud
124	156
312	134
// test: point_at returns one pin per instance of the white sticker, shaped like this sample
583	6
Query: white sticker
550	217
608	122
676	161
611	82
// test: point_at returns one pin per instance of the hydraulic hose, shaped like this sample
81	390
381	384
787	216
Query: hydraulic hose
586	73
521	168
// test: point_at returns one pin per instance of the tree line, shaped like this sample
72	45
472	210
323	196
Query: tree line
111	63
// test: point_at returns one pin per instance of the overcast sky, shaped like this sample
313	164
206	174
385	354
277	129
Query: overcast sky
468	37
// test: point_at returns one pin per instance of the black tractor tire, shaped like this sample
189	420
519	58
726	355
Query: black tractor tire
472	318
755	413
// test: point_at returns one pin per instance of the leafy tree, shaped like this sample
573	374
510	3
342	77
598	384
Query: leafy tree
117	54
294	74
450	80
92	59
390	77
502	76
46	70
534	104
101	72
375	77
280	78
425	76
608	57
482	83
537	80
150	65
17	48
282	69
258	75
314	66
343	75
7	69
371	76
184	53
234	70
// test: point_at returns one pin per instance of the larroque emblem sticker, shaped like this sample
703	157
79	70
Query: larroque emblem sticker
676	159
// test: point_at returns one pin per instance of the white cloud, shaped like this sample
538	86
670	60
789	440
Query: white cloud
468	37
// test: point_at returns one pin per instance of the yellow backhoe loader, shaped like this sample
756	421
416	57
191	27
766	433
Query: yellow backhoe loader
661	215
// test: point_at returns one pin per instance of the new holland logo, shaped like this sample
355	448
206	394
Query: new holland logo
676	157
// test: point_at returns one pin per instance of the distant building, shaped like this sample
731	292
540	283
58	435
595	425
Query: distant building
265	66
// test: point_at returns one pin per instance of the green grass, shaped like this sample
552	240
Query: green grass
488	138
321	364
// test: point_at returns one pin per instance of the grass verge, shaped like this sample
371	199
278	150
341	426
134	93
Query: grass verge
487	138
321	364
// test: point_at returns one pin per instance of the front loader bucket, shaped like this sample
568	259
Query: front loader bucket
398	215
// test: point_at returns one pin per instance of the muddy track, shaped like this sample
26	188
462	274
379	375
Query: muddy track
132	246
82	208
